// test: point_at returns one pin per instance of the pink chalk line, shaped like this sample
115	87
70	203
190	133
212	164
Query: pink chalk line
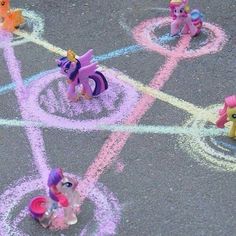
117	140
143	33
107	216
34	134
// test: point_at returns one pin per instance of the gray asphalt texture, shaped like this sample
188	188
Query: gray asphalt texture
162	189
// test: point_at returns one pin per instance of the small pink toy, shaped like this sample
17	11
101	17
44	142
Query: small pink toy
81	71
63	201
228	113
184	22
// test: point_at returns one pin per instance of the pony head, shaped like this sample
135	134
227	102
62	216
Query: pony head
69	65
228	113
179	8
4	7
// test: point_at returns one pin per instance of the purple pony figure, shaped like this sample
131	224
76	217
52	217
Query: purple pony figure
63	194
80	71
190	22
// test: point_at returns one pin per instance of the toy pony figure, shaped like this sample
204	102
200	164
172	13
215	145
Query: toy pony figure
11	19
228	113
63	195
190	22
80	71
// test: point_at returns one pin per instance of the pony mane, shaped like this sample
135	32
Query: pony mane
55	177
230	102
76	70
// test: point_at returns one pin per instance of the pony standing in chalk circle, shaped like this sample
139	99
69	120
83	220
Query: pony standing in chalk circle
63	202
81	71
228	113
11	19
184	22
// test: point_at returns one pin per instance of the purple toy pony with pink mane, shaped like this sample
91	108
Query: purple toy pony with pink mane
81	71
184	22
228	113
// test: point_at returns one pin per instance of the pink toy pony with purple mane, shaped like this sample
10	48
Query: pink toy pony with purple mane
63	201
81	71
184	22
228	113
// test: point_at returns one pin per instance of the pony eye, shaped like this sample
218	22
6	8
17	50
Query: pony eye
234	116
175	11
66	70
181	11
67	184
3	3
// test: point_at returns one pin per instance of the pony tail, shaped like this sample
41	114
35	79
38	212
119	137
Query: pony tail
101	83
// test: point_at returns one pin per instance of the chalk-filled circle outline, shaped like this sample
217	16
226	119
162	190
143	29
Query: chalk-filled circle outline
10	199
129	100
143	33
198	148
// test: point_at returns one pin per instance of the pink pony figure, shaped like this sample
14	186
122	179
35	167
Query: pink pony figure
63	197
81	71
190	22
228	113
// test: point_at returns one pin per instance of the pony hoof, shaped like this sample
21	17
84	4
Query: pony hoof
87	97
74	99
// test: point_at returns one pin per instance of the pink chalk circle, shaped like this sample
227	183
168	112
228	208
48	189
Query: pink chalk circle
144	35
106	213
51	106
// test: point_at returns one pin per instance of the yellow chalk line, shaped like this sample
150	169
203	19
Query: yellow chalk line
199	112
40	42
192	109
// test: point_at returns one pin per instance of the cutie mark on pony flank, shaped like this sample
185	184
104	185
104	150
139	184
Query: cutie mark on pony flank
180	13
80	71
228	113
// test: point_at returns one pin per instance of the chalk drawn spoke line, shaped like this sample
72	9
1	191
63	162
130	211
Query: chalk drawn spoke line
117	140
36	141
136	129
115	143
